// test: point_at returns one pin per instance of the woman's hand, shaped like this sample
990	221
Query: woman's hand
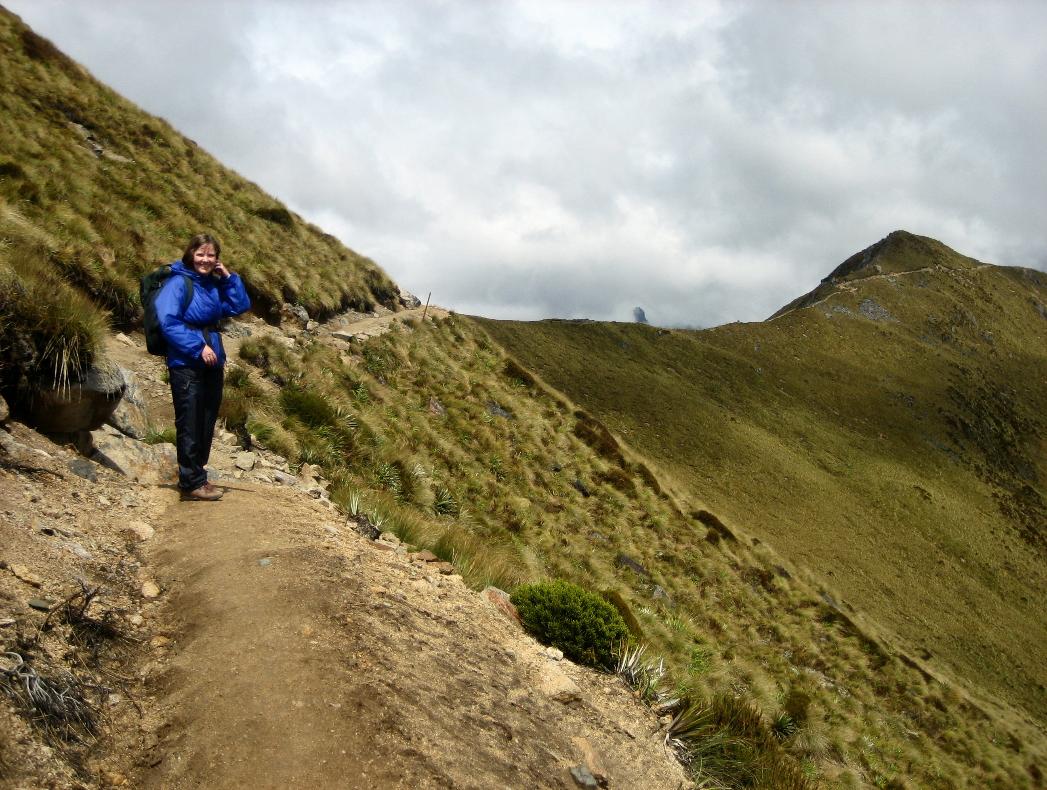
220	270
209	357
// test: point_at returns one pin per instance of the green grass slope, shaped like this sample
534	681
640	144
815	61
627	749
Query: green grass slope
437	434
94	191
443	439
889	437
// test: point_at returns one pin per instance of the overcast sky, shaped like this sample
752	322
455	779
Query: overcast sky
706	161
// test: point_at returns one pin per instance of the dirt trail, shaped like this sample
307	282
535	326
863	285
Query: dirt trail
292	652
282	649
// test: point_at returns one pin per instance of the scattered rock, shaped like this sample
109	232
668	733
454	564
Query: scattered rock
23	574
294	313
246	461
40	604
425	556
389	537
503	603
284	479
150	590
136	620
122	338
583	777
591	760
6	621
364	526
146	463
625	561
83	468
444	568
311	325
581	488
555	653
140	530
265	562
79	551
226	437
435	407
497	411
409	300
872	309
659	594
555	684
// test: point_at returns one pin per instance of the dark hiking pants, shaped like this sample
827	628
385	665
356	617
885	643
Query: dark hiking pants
197	394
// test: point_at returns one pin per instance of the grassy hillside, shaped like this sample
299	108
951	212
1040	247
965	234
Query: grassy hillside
93	192
437	434
452	445
890	438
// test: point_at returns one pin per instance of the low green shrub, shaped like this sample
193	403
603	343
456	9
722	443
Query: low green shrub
581	623
155	435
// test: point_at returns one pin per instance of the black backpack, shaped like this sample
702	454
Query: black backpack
148	290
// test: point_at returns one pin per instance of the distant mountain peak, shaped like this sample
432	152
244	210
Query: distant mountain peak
899	251
896	253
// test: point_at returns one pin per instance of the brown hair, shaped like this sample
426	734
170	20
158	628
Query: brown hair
198	241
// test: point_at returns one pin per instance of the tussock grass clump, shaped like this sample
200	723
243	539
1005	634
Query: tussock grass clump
581	623
49	332
56	702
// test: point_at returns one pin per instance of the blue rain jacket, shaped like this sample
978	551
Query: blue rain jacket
214	298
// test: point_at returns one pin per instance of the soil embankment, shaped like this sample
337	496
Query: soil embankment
298	654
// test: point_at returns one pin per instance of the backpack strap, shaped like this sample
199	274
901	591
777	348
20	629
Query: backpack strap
187	294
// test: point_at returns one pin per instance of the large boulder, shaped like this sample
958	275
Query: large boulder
129	417
146	463
5	412
409	300
78	405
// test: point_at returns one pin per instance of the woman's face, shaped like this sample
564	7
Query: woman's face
204	259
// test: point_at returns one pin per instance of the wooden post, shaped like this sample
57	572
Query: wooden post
426	310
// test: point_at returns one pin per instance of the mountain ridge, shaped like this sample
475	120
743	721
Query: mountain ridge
805	521
931	378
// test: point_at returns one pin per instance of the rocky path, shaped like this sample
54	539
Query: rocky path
292	652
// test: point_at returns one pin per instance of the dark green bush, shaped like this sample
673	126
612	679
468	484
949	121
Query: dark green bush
581	623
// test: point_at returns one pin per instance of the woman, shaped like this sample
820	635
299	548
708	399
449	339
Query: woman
195	357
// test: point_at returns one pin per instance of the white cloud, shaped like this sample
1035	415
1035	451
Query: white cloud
706	161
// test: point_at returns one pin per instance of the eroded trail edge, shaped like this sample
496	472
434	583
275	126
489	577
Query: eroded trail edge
291	652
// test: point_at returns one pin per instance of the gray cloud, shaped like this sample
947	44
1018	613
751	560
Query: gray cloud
709	162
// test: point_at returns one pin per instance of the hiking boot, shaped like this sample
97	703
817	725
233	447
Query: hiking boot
201	494
213	489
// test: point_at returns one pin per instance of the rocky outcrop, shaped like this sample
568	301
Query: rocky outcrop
80	405
145	463
129	417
